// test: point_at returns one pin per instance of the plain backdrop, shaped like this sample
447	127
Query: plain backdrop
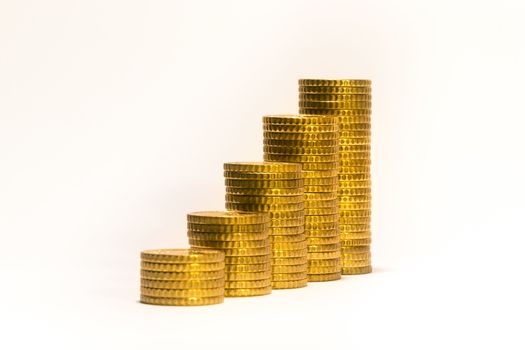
116	117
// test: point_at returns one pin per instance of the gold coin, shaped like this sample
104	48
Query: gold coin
248	284
335	89
297	214
356	270
241	251
316	204
300	136
321	270
356	263
313	197
234	236
326	158
320	174
334	82
182	301
230	269
355	126
324	262
263	167
289	284
354	155
226	218
355	213
301	143
182	256
244	276
322	233
334	97
293	276
323	240
287	222
317	189
343	119
363	180
298	260
239	175
353	191
272	210
352	220
356	250
182	293
320	219
324	277
288	245
354	206
187	267
336	104
182	276
323	247
355	148
294	119
229	244
355	242
328	225
356	256
354	199
228	228
290	230
322	211
289	268
248	183
264	200
285	150
265	191
355	170
288	128
355	141
354	162
320	166
287	238
344	185
233	262
354	227
324	181
248	292
189	284
355	112
289	253
346	236
349	134
324	255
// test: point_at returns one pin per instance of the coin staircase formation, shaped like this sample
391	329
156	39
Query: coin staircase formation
303	215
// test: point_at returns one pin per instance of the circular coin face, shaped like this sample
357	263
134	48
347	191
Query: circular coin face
226	217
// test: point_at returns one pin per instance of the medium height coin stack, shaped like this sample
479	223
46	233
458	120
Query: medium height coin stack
243	238
350	100
182	277
276	189
312	141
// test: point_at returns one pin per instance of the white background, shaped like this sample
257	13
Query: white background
116	117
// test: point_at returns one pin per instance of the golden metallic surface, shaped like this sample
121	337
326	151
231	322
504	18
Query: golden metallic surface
328	225
263	167
320	166
248	292
335	104
352	141
324	255
354	227
289	268
314	197
355	148
355	242
323	247
334	97
356	249
356	256
335	90
265	191
355	213
235	236
358	180
248	276
323	233
298	119
290	230
356	263
187	267
327	158
324	262
240	175
318	189
181	301
232	261
240	251
353	134
230	269
354	199
187	284
264	199
301	143
288	214
290	284
181	256
343	127
182	276
249	183
289	245
355	112
293	276
354	155
351	236
182	293
356	270
301	136
267	282
284	128
286	150
287	222
345	220
324	277
323	181
322	211
321	270
320	219
351	206
226	218
347	191
320	174
316	204
348	120
323	240
335	82
351	184
287	238
288	253
230	228
343	162
289	261
229	244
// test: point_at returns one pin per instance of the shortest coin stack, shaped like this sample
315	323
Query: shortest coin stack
182	277
243	237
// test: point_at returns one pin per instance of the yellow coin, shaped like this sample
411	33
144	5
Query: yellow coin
289	268
326	158
322	211
240	175
248	183
320	166
288	245
353	220
354	162
290	230
293	276
355	141
325	181
285	150
244	276
356	256
324	255
229	228
356	250
248	292
354	206
313	197
313	204
323	247
354	227
226	217
324	262
352	134
355	148
324	277
356	263
182	293
265	191
354	155
346	236
343	119
182	276
182	256
187	267
356	270
248	267
355	213
334	97
300	136
287	222
355	126
233	262
248	284
333	224
194	301
287	238
355	242
362	180
235	236
320	219
322	233
335	89
336	104
355	170
301	143
289	214
354	112
323	240
241	251
289	253
318	189
335	82
290	284
264	200
323	270
189	284
229	244
353	191
262	167
344	185
354	199
294	119
289	261
288	128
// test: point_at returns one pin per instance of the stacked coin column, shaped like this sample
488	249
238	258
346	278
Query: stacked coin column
350	100
182	277
276	189
312	141
243	237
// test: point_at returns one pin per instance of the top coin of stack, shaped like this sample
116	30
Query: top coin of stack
182	277
350	100
276	189
313	142
243	237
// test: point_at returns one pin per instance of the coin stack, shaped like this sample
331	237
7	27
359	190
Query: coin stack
182	277
243	237
312	141
276	189
350	100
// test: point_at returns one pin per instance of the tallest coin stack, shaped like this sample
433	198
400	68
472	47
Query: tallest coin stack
350	100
